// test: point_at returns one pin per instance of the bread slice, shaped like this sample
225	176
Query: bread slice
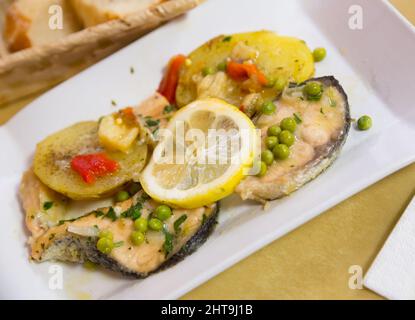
28	23
93	12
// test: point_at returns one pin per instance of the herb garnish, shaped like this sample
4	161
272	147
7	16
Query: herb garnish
98	213
169	108
111	214
152	123
133	212
113	103
179	222
47	205
227	39
297	118
168	242
132	70
61	222
118	244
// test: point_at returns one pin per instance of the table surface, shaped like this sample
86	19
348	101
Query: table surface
313	261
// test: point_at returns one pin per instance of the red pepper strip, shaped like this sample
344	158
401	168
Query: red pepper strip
168	84
243	71
92	166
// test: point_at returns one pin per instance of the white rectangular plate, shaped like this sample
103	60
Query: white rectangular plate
375	65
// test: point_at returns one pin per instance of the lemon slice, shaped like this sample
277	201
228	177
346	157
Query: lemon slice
203	154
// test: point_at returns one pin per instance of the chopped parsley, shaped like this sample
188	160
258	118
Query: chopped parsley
321	110
297	118
132	70
133	212
98	213
113	103
169	108
179	222
152	123
111	214
227	39
47	205
61	222
118	244
168	242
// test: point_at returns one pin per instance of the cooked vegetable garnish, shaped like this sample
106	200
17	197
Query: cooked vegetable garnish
245	71
47	205
286	137
53	157
163	212
141	224
137	238
170	80
319	54
267	157
364	123
271	142
274	131
248	63
106	234
288	124
268	108
105	245
179	222
313	91
155	224
263	169
121	196
93	166
207	71
281	152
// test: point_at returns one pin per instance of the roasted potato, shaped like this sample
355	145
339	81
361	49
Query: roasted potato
277	57
52	162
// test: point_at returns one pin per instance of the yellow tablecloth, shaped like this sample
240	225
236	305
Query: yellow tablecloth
313	261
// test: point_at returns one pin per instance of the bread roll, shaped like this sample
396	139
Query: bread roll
93	12
30	23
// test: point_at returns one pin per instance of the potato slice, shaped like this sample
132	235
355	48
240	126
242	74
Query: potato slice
276	56
52	163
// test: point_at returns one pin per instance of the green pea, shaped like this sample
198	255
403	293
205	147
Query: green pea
281	152
137	238
90	265
122	196
271	142
287	138
364	123
106	234
155	224
267	157
222	66
105	245
263	169
288	124
133	188
141	224
163	212
274	131
280	84
271	83
268	108
313	91
319	54
208	71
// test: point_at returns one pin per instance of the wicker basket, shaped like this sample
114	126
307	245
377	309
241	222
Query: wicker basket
32	70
